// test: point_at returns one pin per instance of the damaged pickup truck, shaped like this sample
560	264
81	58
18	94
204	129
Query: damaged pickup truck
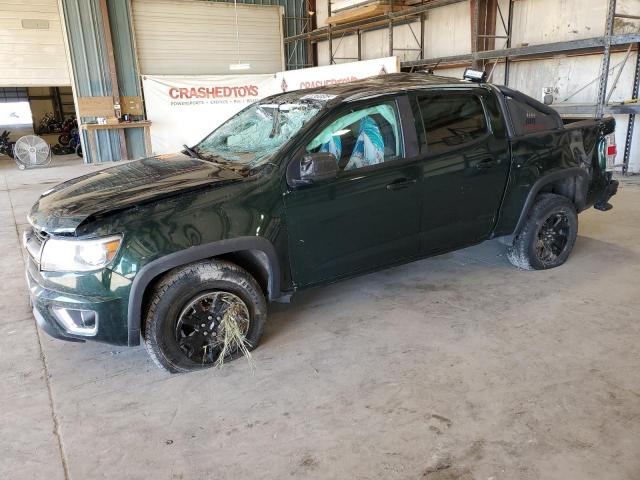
303	189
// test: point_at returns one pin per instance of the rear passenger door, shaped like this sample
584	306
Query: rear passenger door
465	163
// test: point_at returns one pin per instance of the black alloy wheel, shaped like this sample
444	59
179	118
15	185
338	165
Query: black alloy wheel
203	314
200	329
548	235
553	238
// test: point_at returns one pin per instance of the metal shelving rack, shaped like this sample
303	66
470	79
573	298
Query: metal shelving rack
481	9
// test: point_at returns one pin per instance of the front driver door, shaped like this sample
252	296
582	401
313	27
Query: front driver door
366	217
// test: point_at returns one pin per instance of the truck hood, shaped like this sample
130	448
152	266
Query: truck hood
64	207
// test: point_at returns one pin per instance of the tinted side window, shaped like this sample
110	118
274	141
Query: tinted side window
450	120
527	119
497	122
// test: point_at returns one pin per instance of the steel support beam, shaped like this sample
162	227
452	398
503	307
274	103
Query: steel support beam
630	17
606	57
596	43
587	109
57	102
422	23
311	26
331	62
632	117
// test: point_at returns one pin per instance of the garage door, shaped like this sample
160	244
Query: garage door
32	50
199	37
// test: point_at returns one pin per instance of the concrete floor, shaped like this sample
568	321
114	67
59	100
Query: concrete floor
455	367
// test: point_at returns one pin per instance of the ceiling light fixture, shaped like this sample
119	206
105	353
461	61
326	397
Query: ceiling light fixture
239	66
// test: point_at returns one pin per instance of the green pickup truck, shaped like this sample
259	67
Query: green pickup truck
303	189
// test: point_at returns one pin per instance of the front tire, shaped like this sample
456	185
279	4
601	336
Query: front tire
184	327
548	236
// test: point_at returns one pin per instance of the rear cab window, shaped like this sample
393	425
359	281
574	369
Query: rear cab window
529	118
448	120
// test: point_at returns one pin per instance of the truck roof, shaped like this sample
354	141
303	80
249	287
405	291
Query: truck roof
378	85
385	84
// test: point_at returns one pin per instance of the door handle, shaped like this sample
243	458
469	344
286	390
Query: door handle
485	163
402	183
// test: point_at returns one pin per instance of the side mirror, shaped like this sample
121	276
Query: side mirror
318	166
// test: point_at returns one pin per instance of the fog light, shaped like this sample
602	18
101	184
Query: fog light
80	322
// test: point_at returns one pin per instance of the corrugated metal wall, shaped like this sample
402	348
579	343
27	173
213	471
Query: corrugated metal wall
296	18
126	66
90	65
89	60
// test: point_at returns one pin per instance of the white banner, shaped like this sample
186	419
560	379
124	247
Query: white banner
334	74
184	109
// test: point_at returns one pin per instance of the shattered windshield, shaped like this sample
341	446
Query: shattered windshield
256	133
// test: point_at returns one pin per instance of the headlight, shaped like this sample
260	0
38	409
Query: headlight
70	255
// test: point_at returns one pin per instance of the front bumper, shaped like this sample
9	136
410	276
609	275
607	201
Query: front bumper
52	328
90	292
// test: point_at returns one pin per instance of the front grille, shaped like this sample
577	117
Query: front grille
33	241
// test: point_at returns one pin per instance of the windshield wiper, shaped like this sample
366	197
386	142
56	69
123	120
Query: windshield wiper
217	159
192	153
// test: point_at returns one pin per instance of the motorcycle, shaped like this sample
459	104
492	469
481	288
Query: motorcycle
74	141
68	126
69	138
49	124
72	144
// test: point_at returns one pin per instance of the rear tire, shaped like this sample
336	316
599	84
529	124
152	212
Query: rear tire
548	235
176	343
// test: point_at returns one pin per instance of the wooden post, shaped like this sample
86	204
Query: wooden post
509	34
475	14
111	63
491	15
